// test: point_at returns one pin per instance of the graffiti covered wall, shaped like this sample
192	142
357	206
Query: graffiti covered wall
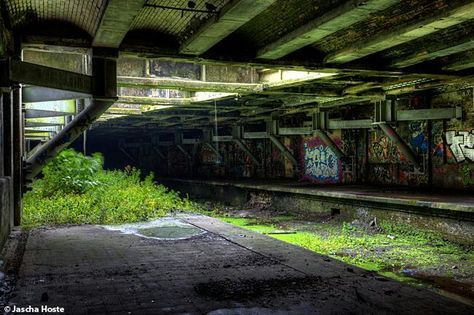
319	163
444	149
453	143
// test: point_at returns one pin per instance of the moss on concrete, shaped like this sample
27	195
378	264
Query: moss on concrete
397	251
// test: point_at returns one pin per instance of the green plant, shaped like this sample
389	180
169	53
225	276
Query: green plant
71	172
88	194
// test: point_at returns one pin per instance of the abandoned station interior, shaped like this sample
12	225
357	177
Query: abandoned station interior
230	157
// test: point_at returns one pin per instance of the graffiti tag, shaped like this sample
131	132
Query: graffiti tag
321	164
461	144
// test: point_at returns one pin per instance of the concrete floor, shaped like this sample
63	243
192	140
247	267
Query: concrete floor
222	270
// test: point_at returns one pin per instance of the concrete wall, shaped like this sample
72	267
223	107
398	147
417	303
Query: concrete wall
6	209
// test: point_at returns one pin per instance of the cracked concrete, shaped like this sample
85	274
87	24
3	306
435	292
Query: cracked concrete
226	270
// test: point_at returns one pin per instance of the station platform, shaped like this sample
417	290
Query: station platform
402	198
221	269
450	213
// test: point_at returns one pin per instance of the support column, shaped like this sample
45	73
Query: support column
328	141
7	121
272	130
207	139
319	125
237	138
2	150
17	153
178	140
7	142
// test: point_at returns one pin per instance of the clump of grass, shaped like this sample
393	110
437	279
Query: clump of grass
76	189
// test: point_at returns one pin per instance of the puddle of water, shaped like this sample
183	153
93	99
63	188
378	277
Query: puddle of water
161	229
463	292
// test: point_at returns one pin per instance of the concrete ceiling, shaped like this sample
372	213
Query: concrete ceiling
374	48
312	33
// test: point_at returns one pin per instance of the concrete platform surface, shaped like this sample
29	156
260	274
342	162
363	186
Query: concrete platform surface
398	196
217	269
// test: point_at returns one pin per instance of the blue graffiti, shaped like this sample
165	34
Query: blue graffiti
418	140
321	164
419	143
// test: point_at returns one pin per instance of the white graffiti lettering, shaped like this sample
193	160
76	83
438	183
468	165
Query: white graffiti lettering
461	144
321	163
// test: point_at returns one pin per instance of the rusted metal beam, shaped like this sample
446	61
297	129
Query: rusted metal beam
349	124
222	138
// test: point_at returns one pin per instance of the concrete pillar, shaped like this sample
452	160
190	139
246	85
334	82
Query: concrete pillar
2	149
17	153
7	122
6	185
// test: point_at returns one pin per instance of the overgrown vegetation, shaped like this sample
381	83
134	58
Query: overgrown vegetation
76	189
395	250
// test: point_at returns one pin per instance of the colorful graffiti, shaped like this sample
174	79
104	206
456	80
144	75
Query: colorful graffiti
461	144
320	164
382	150
418	140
